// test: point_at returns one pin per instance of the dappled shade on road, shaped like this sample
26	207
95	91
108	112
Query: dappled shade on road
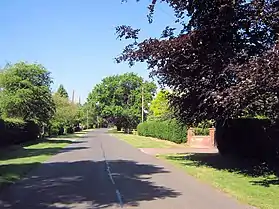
29	155
67	185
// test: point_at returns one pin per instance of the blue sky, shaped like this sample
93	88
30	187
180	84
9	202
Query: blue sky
74	39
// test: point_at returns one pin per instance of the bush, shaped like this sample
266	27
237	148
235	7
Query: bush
32	130
248	137
56	129
69	130
201	131
77	129
15	131
170	130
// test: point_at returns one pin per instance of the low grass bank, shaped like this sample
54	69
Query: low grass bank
250	182
17	160
145	142
74	135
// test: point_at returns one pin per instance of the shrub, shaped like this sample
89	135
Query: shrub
248	137
77	128
201	131
170	130
69	130
32	130
55	129
14	131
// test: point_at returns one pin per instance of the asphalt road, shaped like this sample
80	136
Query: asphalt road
104	172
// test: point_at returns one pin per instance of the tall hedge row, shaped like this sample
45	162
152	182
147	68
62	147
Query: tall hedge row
248	137
170	130
14	131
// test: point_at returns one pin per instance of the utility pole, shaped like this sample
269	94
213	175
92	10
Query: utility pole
97	107
142	104
73	96
87	119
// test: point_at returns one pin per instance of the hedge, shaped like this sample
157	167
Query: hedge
248	137
15	131
170	130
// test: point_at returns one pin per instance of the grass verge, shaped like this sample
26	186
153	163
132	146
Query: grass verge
253	183
74	135
145	142
17	160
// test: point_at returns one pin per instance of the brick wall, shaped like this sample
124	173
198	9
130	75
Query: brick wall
201	141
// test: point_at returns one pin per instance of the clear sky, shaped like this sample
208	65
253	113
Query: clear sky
74	39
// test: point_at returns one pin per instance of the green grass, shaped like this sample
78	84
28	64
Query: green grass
250	182
145	142
17	160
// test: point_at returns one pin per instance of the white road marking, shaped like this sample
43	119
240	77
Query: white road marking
110	176
118	194
119	198
143	150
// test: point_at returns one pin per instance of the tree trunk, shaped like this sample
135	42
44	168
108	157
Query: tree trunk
127	131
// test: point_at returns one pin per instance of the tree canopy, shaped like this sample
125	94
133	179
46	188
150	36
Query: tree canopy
66	112
222	64
87	113
118	98
29	109
62	91
160	105
25	92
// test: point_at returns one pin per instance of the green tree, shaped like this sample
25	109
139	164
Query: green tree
87	115
66	115
118	99
159	107
25	92
62	92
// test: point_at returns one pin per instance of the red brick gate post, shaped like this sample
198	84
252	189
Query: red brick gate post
189	135
212	136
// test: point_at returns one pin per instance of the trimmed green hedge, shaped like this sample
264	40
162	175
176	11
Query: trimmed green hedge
14	131
170	130
248	138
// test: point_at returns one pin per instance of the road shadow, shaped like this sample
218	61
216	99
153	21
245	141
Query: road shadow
268	171
85	184
134	180
10	171
66	140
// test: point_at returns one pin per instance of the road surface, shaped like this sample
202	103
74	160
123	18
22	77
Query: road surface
104	172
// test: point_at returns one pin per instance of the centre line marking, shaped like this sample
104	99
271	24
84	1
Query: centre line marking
118	194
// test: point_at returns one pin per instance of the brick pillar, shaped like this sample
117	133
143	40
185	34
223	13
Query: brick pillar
189	136
212	136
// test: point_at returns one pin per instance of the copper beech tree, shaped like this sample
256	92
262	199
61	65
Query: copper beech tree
223	63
